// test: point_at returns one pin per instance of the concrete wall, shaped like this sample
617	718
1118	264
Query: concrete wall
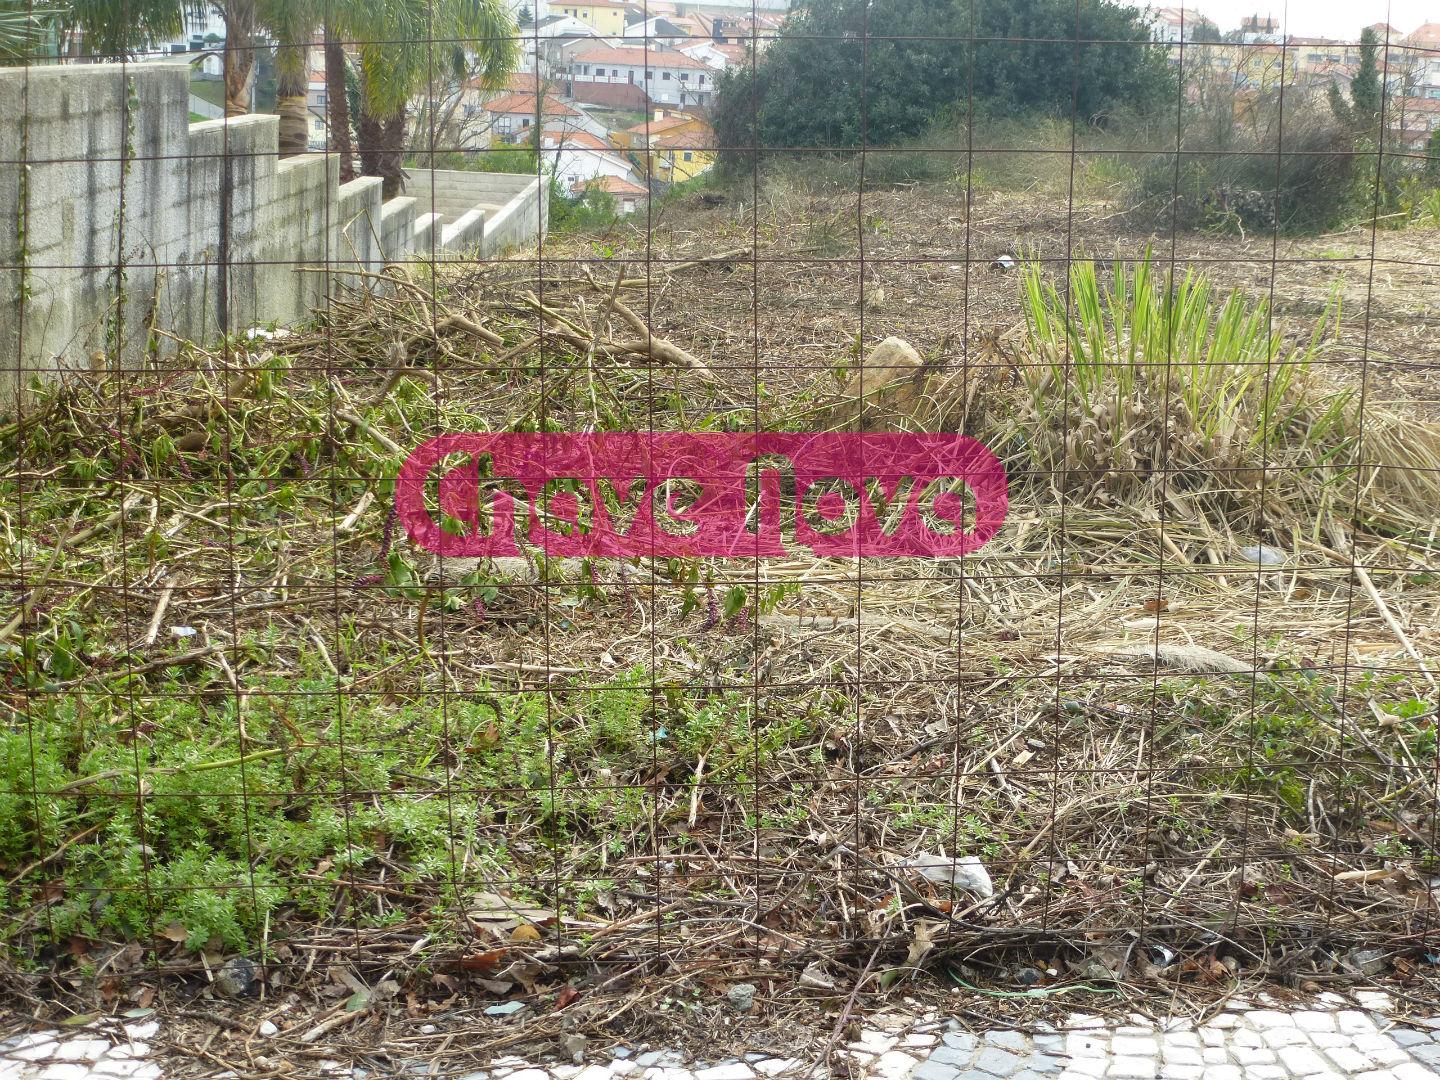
111	212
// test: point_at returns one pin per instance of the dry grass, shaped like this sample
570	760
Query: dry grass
1147	739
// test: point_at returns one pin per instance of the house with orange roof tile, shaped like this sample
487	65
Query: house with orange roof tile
667	76
629	197
669	147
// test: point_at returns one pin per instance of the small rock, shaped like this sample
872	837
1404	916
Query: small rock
267	1029
741	996
236	977
1005	263
509	1008
1028	976
1367	961
573	1046
621	1052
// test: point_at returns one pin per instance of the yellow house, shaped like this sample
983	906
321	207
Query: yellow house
606	17
671	147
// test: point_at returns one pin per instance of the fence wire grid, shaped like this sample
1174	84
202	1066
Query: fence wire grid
1169	733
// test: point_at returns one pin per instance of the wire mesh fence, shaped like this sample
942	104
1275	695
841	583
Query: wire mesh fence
849	500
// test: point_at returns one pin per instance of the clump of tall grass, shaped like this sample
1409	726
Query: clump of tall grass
1143	376
1142	371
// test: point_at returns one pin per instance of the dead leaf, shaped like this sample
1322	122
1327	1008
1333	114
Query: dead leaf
524	932
175	932
484	962
568	996
502	914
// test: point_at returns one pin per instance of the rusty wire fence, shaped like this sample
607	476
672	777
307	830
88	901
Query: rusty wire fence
1156	715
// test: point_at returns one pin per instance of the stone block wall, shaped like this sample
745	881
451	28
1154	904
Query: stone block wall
115	220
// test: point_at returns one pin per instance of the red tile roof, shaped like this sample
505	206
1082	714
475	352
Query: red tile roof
612	184
636	57
524	105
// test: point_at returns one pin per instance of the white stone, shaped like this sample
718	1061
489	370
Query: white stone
559	1072
1181	1038
1083	1021
146	1030
1224	1021
776	1066
1269	1018
1283	1036
618	1067
1301	1060
1133	1046
1181	1055
36	1047
918	1039
1140	1068
893	1064
1413	1071
1328	1039
1093	1066
1315	1021
1247	1037
1265	1072
1212	1036
1079	1045
593	1072
1224	1072
66	1070
873	1042
82	1049
1354	1023
1215	1055
1381	1049
1181	1072
1374	1000
1348	1059
1252	1055
530	1074
734	1071
120	1068
1378	1074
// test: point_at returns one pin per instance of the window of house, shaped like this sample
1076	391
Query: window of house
684	76
687	155
665	76
702	78
587	69
525	121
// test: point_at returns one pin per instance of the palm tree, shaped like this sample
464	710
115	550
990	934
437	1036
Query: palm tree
408	47
292	23
24	31
113	29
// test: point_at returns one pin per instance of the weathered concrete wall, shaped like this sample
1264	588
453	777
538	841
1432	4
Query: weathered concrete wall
112	206
515	205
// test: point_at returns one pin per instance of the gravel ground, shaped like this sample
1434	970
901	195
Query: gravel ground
1336	1037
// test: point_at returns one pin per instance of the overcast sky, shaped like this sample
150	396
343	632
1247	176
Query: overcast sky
1327	18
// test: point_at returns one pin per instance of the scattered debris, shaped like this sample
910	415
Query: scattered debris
965	873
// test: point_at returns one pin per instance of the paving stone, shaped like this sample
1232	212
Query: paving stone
1269	1018
1409	1036
1315	1021
1224	1072
1224	1021
1083	1021
959	1040
1136	1029
997	1062
1374	1000
1265	1072
1327	1039
1181	1055
1247	1037
1085	1045
1283	1036
776	1066
620	1067
1086	1067
1214	1055
1377	1074
734	1071
1181	1038
935	1070
1133	1046
1044	1064
1252	1055
1212	1036
1354	1023
1348	1059
64	1070
1381	1049
951	1055
1140	1068
893	1064
1413	1071
593	1072
918	1040
1007	1040
649	1058
1430	1055
1302	1061
1048	1042
1182	1072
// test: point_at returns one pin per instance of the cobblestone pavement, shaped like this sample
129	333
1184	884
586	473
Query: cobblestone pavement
1336	1037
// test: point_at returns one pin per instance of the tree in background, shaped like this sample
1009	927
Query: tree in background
1361	114
881	71
25	30
293	24
113	29
1432	157
409	47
